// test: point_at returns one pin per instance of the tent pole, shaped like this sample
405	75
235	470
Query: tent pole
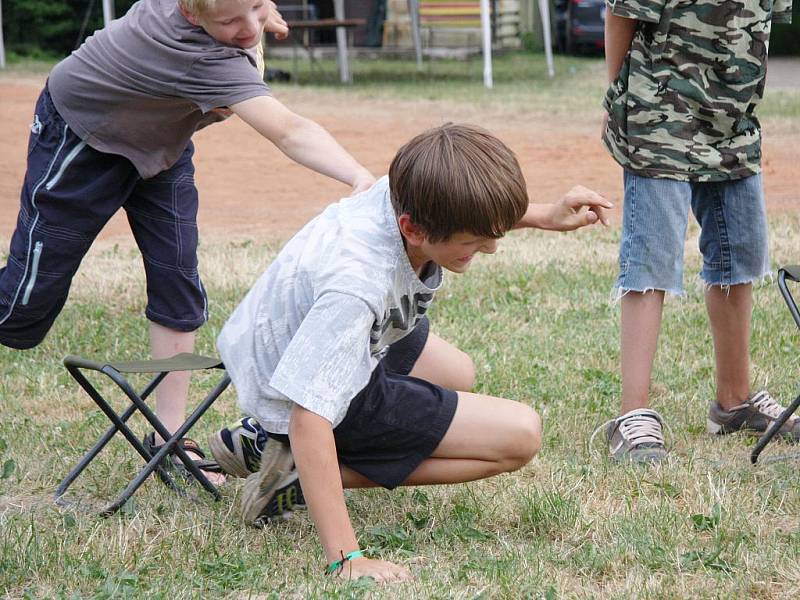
413	12
108	12
544	11
341	43
486	31
2	43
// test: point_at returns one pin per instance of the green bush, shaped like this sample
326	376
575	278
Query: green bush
52	28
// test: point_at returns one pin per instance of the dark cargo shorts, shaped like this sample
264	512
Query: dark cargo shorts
396	421
70	191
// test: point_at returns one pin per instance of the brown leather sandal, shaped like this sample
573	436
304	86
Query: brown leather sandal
173	462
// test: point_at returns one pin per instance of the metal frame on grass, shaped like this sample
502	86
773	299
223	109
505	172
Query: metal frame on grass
161	368
793	274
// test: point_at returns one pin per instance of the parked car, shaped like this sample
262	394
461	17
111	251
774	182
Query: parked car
579	25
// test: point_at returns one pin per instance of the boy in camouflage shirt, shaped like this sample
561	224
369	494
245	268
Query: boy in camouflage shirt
685	80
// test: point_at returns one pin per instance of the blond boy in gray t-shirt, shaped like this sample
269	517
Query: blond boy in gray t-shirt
112	129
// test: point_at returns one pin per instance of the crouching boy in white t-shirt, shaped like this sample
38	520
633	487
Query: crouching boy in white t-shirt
331	350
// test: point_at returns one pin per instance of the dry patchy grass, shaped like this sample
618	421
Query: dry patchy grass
537	321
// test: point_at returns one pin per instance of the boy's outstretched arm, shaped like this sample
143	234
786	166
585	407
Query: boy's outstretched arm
579	207
303	140
314	451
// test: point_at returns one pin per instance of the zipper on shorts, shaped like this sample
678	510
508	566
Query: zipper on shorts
37	255
36	126
70	157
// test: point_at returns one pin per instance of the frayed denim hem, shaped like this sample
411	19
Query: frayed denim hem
618	291
764	278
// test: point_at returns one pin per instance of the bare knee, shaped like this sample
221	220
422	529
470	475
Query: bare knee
524	439
465	374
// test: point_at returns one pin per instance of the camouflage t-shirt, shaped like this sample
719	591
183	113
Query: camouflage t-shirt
683	104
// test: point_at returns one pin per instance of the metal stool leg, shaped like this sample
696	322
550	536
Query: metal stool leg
154	463
118	425
773	429
169	445
792	273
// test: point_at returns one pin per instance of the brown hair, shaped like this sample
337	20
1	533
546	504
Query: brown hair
458	178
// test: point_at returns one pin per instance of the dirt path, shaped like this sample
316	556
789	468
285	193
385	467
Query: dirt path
250	189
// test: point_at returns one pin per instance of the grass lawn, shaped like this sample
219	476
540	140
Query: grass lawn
537	320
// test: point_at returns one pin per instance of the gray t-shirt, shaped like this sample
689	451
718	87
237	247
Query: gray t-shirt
143	85
317	322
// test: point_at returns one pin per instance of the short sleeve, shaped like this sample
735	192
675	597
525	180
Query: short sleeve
219	80
782	11
328	360
642	10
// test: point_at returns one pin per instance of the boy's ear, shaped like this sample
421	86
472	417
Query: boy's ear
413	233
189	16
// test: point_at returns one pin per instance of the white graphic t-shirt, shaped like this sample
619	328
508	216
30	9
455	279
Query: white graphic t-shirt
318	321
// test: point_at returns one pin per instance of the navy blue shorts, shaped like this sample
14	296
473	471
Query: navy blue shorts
70	192
396	421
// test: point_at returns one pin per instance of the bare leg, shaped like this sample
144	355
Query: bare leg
488	436
730	312
173	393
445	365
641	322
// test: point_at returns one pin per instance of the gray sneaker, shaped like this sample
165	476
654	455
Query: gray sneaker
275	476
636	437
754	416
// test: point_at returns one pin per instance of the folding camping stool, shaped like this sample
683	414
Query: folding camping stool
114	371
793	274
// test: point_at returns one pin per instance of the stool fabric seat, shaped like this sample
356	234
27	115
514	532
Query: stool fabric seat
180	362
154	462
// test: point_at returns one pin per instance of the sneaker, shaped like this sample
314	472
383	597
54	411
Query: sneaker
754	416
636	437
274	491
238	449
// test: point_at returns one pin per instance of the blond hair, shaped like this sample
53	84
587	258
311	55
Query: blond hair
458	179
197	7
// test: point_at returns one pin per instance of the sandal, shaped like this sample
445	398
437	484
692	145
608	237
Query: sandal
171	461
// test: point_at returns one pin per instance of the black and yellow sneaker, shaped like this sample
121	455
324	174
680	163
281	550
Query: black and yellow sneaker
274	491
238	448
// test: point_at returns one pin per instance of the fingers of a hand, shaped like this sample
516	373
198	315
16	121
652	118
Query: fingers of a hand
581	196
601	214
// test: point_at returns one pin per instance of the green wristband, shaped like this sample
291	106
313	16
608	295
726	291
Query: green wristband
338	564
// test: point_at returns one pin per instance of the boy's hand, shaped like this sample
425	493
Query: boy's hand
381	571
275	22
578	208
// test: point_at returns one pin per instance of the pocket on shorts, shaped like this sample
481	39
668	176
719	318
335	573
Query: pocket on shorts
37	128
36	257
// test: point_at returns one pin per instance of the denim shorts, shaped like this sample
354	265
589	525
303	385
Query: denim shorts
733	237
69	193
